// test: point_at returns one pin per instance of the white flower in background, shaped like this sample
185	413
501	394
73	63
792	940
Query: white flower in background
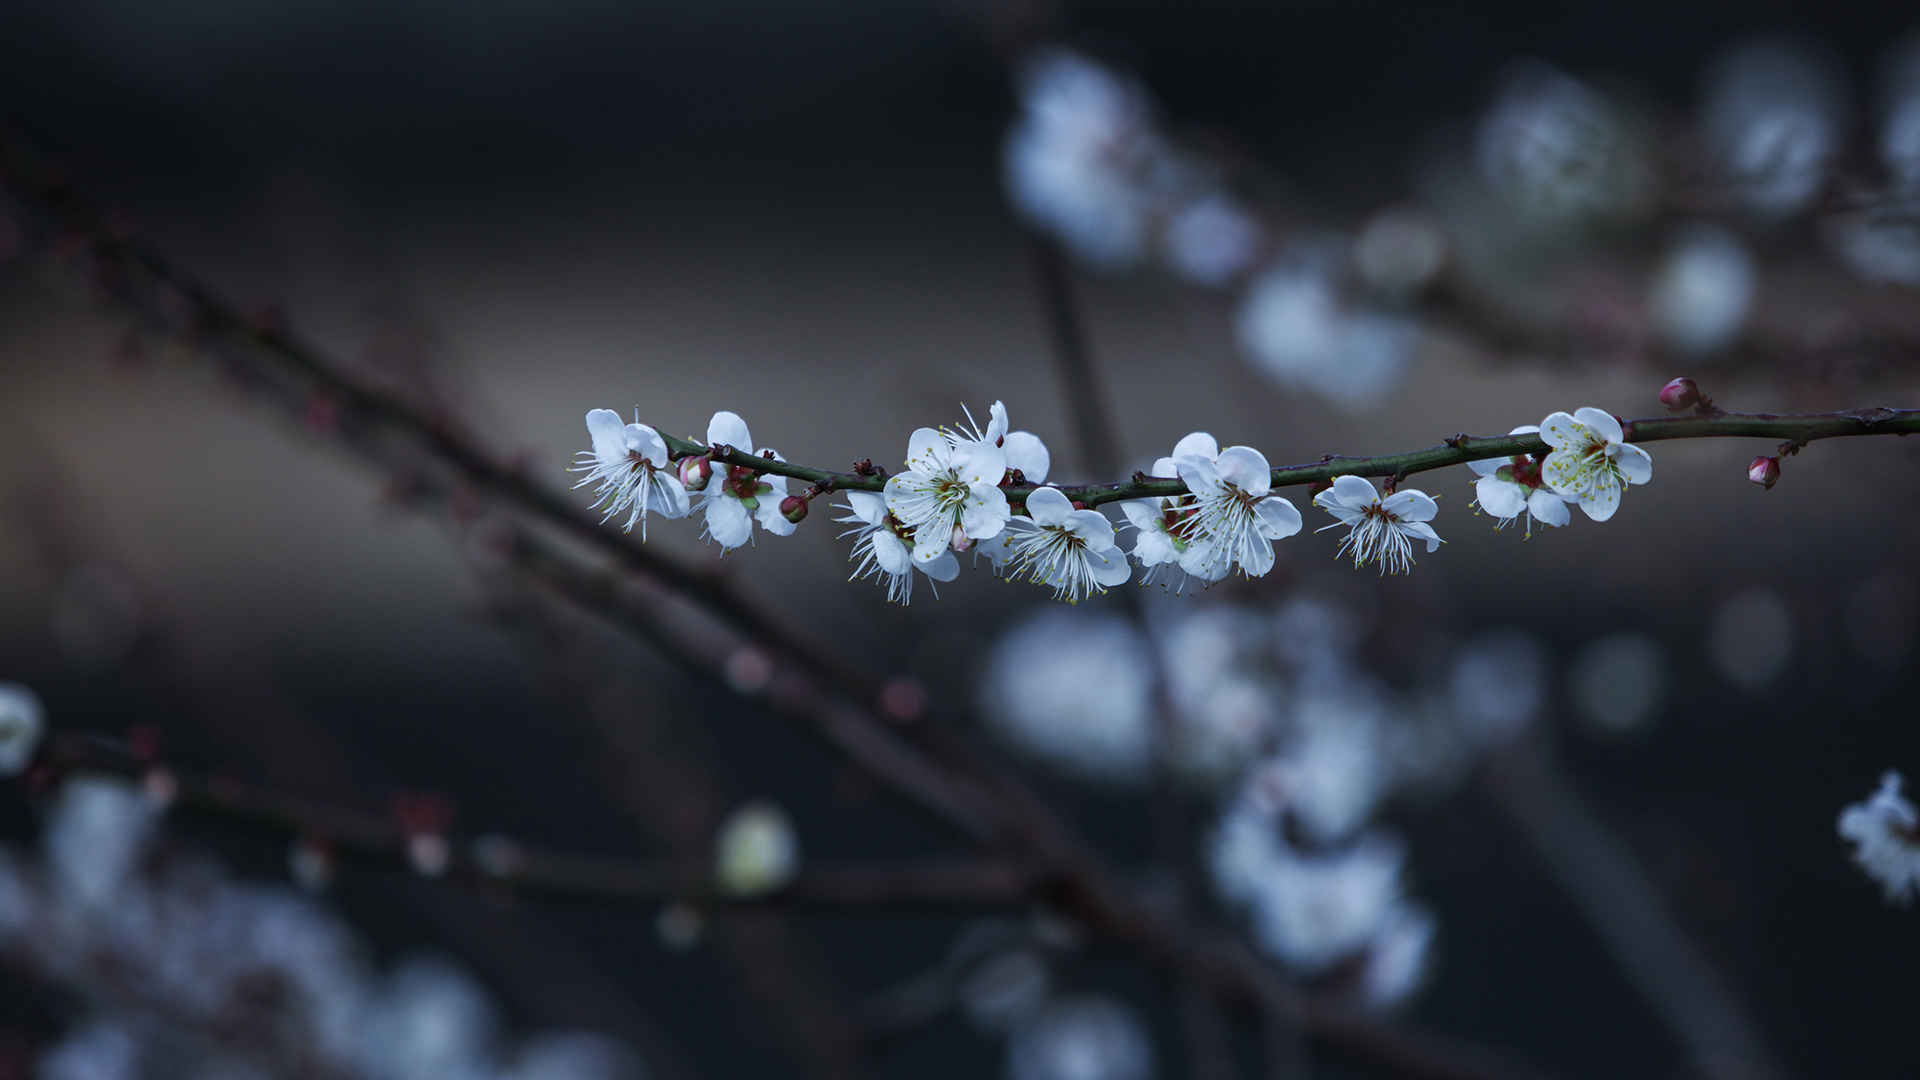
1703	290
883	552
950	492
1772	117
429	1020
1399	252
736	497
1211	240
1298	332
1070	688
633	472
95	838
1589	464
1558	152
1619	682
1079	160
1005	989
1332	771
1159	543
757	850
1881	244
1510	487
1379	530
1886	833
22	722
1900	128
1232	517
1071	551
1397	960
574	1055
102	1050
1081	1038
1311	910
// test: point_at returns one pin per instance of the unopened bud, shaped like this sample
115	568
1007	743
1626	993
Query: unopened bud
961	542
695	472
794	509
1764	471
751	503
1680	394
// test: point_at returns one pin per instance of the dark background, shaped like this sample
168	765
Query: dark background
794	211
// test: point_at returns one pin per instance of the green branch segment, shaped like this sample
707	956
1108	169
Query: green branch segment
1792	429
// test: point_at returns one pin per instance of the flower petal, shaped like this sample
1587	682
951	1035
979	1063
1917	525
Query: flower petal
1411	504
1548	508
1197	444
667	496
1256	557
1164	467
770	517
1601	421
1603	501
648	441
1110	568
931	539
868	506
891	553
1154	547
1027	453
1091	526
942	568
609	435
728	521
1200	561
1199	473
1560	430
1501	498
1526	429
1425	532
979	463
1244	468
1278	518
727	429
985	513
1353	492
1328	501
1635	464
1048	506
1143	514
928	450
996	422
1489	466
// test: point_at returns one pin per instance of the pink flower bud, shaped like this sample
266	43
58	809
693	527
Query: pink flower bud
1680	394
695	472
1764	471
794	509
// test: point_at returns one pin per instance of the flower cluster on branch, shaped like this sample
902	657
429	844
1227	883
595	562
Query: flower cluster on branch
1202	513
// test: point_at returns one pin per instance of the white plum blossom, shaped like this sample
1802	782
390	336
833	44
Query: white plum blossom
1379	529
1070	688
736	497
1070	550
1510	487
1886	833
633	472
1703	290
1589	463
883	550
950	492
1232	517
1397	960
21	723
1159	544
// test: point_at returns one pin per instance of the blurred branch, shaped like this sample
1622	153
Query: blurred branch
385	841
1598	872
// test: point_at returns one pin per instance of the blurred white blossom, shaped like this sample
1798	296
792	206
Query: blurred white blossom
1397	962
1071	689
1298	331
757	850
429	1021
22	723
1558	152
95	838
1399	252
1703	290
102	1050
1772	117
1498	684
1887	846
1081	1038
1211	240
